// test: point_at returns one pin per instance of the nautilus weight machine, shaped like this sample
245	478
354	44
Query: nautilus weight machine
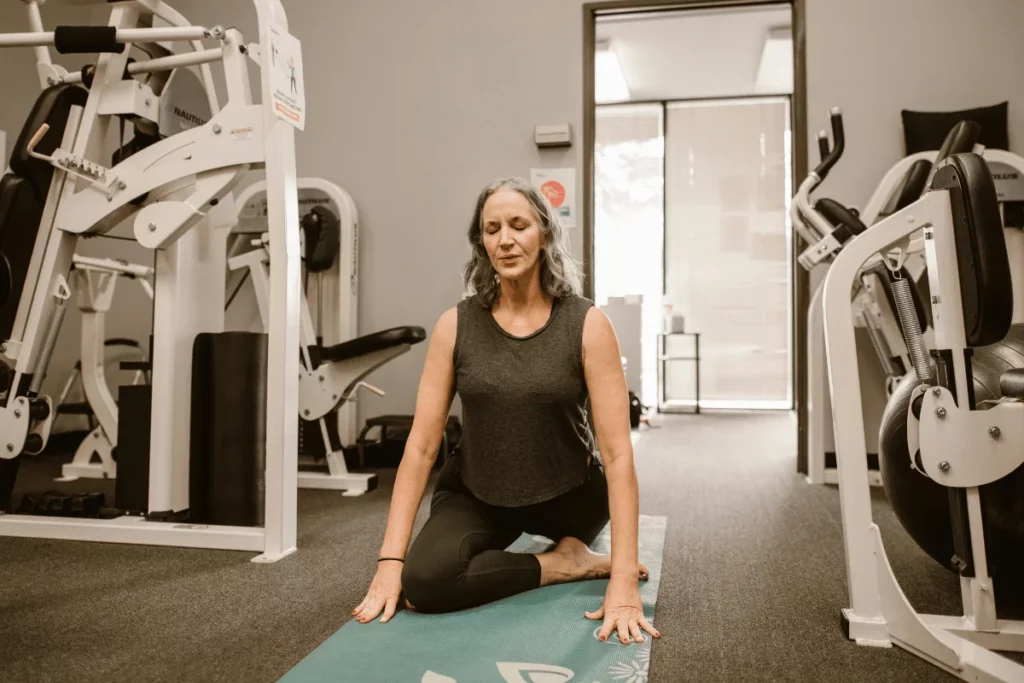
176	191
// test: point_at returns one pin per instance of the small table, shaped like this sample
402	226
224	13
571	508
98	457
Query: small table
663	358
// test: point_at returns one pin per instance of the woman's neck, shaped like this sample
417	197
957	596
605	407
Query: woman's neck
517	296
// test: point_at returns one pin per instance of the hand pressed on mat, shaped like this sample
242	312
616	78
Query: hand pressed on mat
383	595
623	611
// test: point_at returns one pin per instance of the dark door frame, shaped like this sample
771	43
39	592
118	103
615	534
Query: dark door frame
801	282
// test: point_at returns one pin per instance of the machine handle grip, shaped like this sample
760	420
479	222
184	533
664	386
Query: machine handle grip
839	144
37	137
822	145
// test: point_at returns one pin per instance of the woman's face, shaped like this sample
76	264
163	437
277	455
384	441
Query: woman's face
512	234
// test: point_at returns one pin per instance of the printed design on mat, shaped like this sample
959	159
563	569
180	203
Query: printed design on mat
632	672
513	672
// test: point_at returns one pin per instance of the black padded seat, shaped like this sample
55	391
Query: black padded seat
1011	383
846	222
984	267
908	190
379	341
20	214
23	194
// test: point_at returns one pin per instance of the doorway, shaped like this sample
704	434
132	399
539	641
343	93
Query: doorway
694	136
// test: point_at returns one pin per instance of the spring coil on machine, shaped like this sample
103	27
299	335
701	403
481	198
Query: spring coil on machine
912	334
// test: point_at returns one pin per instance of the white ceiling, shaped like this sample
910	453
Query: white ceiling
693	54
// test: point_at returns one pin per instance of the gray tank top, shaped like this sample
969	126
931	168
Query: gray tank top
526	437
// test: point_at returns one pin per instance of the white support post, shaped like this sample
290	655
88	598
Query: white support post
189	291
819	412
285	288
94	304
866	621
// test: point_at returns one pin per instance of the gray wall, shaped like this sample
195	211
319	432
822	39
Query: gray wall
414	106
874	58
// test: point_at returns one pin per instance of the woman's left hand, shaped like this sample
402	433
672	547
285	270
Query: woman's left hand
623	611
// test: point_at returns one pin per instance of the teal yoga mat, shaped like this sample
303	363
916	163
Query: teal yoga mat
536	637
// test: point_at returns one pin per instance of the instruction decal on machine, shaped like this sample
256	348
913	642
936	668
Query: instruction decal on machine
286	87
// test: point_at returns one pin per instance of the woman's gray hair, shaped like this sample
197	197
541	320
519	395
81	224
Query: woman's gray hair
560	273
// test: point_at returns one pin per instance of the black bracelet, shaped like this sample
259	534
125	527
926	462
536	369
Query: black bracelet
390	559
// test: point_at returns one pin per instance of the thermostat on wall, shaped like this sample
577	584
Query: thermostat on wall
553	135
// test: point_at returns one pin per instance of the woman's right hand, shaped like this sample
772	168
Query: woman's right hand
385	590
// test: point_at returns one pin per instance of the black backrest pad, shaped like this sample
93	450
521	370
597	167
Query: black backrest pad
909	189
20	214
914	184
847	224
980	246
960	139
53	107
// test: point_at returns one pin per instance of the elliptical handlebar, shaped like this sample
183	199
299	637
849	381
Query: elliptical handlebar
812	227
838	141
822	146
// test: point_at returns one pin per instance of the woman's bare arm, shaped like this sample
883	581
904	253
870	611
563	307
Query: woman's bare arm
433	403
609	403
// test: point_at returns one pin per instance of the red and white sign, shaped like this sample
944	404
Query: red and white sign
558	185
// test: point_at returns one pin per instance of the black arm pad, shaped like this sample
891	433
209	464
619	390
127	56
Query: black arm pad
73	40
846	223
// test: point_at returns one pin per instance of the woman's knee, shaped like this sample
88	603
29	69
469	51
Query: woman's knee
428	584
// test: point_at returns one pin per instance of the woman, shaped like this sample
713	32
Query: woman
524	353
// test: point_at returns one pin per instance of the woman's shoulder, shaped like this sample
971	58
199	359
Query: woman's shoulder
580	305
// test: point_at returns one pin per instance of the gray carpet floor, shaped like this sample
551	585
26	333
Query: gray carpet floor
752	587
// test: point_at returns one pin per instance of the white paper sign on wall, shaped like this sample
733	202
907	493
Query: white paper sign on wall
559	186
286	86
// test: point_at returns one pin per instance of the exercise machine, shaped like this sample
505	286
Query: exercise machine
334	367
875	297
94	281
877	294
174	186
968	450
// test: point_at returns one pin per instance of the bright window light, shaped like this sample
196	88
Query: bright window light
775	73
609	81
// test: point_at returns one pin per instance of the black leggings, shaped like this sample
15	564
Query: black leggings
459	560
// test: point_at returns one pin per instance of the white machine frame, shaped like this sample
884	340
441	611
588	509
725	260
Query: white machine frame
339	301
879	612
94	281
189	177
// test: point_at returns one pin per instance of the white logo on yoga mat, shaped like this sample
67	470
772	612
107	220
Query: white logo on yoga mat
513	672
431	677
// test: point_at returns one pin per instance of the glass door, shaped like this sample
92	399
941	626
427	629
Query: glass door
727	260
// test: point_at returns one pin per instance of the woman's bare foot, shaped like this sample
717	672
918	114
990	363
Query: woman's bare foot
572	560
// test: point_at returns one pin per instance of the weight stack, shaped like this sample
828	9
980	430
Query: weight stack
228	441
